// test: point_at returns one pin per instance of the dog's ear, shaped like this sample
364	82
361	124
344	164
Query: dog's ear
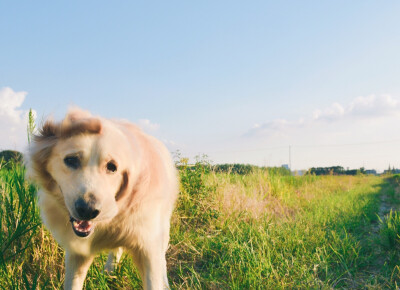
123	189
70	127
39	154
48	130
78	121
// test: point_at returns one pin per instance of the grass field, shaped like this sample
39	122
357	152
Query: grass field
256	231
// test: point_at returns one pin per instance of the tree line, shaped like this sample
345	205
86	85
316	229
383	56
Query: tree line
335	170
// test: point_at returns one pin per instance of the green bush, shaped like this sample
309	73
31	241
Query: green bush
10	157
193	191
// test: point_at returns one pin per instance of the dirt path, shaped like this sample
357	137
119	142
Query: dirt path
387	204
389	200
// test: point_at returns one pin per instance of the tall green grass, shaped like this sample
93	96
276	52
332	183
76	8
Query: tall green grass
271	231
19	222
256	231
390	230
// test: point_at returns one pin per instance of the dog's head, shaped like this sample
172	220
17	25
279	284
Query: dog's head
85	161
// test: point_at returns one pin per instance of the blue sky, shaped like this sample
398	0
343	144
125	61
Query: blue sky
237	80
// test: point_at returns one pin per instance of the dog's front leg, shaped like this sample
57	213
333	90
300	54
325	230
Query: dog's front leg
152	267
155	271
76	267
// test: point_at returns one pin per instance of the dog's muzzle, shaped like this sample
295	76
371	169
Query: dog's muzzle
86	211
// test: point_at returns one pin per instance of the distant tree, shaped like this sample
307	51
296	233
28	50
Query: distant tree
244	169
241	169
335	170
10	157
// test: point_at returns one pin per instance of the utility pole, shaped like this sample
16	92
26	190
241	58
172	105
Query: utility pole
290	158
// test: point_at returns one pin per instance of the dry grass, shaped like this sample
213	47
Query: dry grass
262	194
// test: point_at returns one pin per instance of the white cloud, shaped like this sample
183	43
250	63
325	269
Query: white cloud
334	112
147	125
361	108
362	111
172	145
13	120
364	132
153	129
374	106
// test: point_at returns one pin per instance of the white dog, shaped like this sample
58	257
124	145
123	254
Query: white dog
105	185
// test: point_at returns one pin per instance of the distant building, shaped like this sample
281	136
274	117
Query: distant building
286	166
371	171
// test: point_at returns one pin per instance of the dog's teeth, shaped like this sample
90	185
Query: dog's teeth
82	226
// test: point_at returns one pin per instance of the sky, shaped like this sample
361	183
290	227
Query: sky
305	83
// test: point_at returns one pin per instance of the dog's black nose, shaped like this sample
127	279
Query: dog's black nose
85	210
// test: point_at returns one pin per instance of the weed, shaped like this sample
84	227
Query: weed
390	230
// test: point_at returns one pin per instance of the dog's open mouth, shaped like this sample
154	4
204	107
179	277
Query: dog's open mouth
82	228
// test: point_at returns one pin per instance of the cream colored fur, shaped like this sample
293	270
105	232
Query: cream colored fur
135	202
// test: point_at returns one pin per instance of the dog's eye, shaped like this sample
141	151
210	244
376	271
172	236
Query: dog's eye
111	167
72	162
